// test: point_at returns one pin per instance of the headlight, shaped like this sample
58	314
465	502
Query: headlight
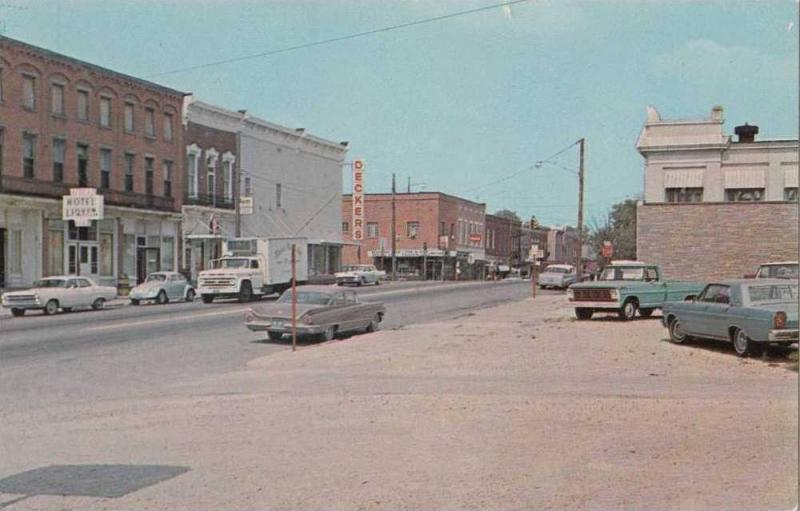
614	294
306	320
570	294
779	320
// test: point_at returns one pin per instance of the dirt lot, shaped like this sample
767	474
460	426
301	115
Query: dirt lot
513	407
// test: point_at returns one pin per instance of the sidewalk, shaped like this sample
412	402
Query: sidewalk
512	407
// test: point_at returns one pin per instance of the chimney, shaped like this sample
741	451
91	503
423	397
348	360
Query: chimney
746	133
717	114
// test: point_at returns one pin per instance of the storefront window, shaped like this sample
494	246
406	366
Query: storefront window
129	255
167	253
107	254
15	262
55	251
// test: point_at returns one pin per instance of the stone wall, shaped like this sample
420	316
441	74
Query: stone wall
716	240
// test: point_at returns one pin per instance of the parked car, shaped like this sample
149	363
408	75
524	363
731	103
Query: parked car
558	276
161	287
625	287
746	313
360	274
53	293
321	311
779	270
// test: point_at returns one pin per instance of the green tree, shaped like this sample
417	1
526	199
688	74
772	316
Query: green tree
508	214
619	228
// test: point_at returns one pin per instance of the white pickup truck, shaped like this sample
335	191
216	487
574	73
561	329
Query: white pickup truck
254	267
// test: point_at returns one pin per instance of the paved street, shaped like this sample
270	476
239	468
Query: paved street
148	350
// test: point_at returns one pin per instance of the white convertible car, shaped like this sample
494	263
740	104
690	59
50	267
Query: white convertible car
53	293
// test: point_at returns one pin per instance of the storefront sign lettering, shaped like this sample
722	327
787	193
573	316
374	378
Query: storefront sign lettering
358	200
82	205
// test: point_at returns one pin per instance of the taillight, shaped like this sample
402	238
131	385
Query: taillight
779	321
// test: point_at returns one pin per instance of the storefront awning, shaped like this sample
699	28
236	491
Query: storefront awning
204	237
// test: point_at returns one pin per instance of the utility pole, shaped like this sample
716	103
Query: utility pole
237	184
394	233
581	171
409	185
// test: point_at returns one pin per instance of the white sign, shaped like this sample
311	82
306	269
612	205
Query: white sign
245	205
358	200
410	252
82	205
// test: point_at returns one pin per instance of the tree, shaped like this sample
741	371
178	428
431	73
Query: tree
508	214
619	228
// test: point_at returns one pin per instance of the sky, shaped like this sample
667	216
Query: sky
460	104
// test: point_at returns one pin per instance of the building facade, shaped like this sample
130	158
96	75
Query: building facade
715	206
438	236
67	124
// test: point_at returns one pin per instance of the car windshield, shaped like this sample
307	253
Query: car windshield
779	271
622	273
156	277
50	283
233	263
772	293
553	269
308	297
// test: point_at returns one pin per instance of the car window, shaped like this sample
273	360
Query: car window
253	264
156	277
650	274
351	298
50	283
71	284
339	299
716	293
84	283
309	297
774	292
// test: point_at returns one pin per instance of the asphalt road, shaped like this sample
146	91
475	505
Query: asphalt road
147	351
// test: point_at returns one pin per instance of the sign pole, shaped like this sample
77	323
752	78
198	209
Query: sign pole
294	299
534	276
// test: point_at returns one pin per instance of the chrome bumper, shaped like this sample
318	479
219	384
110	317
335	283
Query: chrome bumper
286	328
595	305
783	335
27	304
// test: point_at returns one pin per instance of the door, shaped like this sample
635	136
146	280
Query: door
84	262
710	311
175	286
85	295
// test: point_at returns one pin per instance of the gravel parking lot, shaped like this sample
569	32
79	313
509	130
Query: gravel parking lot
513	407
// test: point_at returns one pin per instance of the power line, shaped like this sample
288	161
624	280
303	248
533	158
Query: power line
336	39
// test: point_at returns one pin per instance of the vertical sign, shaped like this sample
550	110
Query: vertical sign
358	200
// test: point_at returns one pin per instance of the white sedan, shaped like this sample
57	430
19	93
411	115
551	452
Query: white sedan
53	293
360	274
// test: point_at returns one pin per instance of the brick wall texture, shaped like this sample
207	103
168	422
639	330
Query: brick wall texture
716	241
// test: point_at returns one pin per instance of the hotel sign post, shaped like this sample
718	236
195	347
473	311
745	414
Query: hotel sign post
358	203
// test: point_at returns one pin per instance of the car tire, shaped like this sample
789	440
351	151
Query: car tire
329	334
583	313
98	304
17	313
190	295
134	301
374	324
361	282
676	333
628	310
245	292
378	282
51	307
274	336
646	313
161	299
742	344
207	298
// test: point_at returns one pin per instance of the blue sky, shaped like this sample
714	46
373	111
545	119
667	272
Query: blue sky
464	102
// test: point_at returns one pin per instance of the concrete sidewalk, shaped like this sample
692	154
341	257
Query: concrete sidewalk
512	407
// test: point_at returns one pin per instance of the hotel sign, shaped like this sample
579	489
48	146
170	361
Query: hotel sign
358	200
82	205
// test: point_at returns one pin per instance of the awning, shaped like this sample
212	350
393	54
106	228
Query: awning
744	178
790	177
204	237
683	178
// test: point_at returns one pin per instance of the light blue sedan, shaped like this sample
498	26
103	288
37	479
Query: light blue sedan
747	313
161	287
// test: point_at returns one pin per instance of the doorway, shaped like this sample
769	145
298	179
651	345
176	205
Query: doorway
148	260
82	258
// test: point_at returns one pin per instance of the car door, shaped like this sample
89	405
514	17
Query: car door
174	287
689	313
653	292
87	293
712	311
69	295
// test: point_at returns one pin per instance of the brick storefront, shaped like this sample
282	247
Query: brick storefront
739	237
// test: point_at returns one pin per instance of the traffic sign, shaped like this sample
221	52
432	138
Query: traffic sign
245	205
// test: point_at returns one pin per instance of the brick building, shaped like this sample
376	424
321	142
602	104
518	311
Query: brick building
715	207
502	242
68	124
437	235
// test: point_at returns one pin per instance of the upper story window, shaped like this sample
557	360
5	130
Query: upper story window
28	155
790	194
248	186
83	165
227	182
105	168
372	229
129	162
167	178
168	127
129	125
684	195
1	84
149	175
192	174
412	229
57	99
105	112
744	194
83	105
345	227
29	92
59	150
149	122
278	195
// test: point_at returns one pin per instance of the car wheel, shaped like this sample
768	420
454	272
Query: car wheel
329	333
275	336
361	282
245	292
134	301
676	333
190	294
51	307
583	313
207	298
374	324
646	313
98	304
742	344
628	311
162	297
377	282
17	312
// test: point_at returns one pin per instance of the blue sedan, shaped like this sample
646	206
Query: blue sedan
746	313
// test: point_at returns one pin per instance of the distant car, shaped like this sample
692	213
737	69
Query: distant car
64	292
747	313
780	270
558	276
360	274
322	311
161	287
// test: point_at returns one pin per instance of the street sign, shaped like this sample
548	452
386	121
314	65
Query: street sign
82	205
358	200
608	249
245	205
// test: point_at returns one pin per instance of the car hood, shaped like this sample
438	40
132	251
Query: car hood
284	310
603	284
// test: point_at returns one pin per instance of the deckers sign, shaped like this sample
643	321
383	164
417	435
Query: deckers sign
82	205
358	200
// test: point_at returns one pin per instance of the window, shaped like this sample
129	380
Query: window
684	194
28	155
129	125
29	92
83	105
57	99
2	136
168	127
105	112
59	148
744	194
105	168
412	229
345	227
211	180
15	251
83	164
278	193
149	122
168	255
790	194
227	182
167	178
372	229
248	187
192	175
149	170
129	161
716	293
1	84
